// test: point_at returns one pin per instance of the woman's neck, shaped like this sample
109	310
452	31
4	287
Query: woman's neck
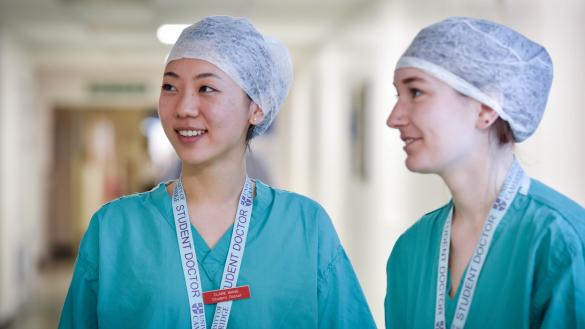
475	184
214	184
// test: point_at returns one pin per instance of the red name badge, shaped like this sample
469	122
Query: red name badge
224	295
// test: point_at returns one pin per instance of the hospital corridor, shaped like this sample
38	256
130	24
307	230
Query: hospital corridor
79	89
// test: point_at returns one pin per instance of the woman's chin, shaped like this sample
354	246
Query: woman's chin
190	159
417	165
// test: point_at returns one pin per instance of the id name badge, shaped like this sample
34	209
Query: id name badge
224	295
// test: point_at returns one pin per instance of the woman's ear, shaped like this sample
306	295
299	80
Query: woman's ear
486	117
256	114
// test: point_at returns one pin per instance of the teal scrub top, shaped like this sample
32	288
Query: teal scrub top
533	276
128	272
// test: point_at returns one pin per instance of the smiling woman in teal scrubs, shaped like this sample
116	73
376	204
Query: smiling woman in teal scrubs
507	251
154	260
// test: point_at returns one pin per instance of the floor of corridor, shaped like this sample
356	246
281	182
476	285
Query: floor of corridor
43	308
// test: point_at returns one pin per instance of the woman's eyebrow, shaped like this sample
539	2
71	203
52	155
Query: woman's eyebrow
413	79
171	74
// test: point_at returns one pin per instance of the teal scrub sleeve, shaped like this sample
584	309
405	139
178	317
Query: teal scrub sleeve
559	291
80	308
341	301
395	270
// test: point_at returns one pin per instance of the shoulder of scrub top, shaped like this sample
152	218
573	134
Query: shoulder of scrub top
427	225
567	212
286	199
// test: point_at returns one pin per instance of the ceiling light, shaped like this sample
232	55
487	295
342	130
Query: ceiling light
169	33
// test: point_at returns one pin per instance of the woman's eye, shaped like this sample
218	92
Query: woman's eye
168	87
206	89
415	92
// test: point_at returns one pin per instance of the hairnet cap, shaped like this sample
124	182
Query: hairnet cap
260	65
489	62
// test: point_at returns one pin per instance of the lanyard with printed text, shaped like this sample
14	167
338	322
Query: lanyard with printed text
516	180
232	265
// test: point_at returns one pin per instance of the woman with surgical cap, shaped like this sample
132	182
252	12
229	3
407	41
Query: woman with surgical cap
507	251
216	249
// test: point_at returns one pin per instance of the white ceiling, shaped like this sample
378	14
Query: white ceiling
63	34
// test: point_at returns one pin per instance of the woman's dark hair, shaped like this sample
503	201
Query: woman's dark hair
250	133
501	129
251	128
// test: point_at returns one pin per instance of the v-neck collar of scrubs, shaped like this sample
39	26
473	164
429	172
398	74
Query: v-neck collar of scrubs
211	260
451	302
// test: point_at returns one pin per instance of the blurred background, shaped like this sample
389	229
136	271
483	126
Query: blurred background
79	85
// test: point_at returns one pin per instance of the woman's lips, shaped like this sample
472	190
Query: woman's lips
190	135
409	141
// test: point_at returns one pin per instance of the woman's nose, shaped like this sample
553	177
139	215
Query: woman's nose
397	117
188	105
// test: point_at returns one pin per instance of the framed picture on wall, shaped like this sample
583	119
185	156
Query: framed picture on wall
358	128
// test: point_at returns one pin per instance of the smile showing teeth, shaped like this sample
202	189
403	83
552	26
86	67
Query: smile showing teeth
409	140
191	133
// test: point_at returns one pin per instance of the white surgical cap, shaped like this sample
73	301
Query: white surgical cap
490	63
260	65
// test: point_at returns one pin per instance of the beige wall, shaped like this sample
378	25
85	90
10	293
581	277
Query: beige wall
24	150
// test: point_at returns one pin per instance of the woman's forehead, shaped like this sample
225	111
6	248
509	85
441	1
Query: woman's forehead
407	75
190	64
196	69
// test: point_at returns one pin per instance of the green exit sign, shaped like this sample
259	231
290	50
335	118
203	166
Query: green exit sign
117	88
